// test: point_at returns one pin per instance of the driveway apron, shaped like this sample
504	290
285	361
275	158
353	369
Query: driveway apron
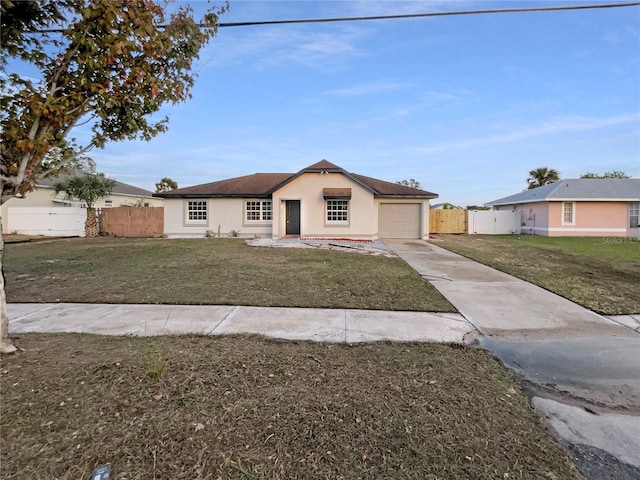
498	304
572	361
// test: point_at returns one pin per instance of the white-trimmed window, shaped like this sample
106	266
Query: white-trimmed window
258	211
568	213
634	215
196	211
108	203
338	211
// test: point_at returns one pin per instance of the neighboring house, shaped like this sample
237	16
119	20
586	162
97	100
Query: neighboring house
122	195
578	207
320	201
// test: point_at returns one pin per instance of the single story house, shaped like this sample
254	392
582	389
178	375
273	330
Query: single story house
321	201
578	207
44	196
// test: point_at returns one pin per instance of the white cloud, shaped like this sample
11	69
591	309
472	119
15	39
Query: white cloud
549	127
374	88
331	47
437	98
290	45
425	101
622	34
373	8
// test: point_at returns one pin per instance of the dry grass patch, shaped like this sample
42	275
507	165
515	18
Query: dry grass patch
601	274
247	408
212	271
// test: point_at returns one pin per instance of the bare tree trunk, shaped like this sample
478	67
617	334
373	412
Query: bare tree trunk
6	346
91	224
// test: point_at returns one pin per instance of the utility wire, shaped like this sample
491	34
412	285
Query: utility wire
391	17
433	14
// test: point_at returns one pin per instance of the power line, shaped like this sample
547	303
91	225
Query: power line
402	16
433	14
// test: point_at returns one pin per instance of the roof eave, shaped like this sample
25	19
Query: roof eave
212	195
576	199
422	197
567	199
517	202
132	194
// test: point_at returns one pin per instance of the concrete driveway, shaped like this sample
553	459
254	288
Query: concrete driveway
498	304
582	370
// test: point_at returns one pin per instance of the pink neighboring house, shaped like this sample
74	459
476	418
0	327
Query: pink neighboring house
584	207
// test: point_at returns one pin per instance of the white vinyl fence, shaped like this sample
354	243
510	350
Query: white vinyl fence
490	222
50	221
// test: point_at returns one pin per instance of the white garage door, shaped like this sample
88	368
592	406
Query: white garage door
399	220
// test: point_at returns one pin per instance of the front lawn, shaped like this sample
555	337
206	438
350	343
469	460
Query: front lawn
601	274
248	408
212	271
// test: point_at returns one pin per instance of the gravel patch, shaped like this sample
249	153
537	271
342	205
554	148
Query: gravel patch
367	247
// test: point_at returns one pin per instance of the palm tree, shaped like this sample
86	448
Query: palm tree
88	189
541	176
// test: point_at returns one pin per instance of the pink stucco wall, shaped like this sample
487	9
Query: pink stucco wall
591	214
591	219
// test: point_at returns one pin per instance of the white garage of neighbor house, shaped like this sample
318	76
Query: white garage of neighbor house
28	216
321	201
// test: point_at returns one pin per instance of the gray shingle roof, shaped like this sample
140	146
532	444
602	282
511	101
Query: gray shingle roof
118	189
603	189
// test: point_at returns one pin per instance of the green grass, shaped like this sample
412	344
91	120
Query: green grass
212	271
603	248
602	274
250	408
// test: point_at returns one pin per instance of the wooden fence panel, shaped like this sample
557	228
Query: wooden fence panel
448	221
132	221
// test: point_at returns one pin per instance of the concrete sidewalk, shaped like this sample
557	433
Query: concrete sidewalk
317	324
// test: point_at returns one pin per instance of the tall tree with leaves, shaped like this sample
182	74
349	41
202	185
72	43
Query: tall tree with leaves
165	185
542	176
88	189
110	64
412	182
612	174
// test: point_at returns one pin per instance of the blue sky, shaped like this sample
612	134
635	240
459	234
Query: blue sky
466	105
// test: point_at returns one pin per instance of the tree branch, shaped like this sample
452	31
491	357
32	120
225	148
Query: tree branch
62	67
67	160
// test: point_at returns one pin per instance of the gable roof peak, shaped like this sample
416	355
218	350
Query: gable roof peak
323	165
